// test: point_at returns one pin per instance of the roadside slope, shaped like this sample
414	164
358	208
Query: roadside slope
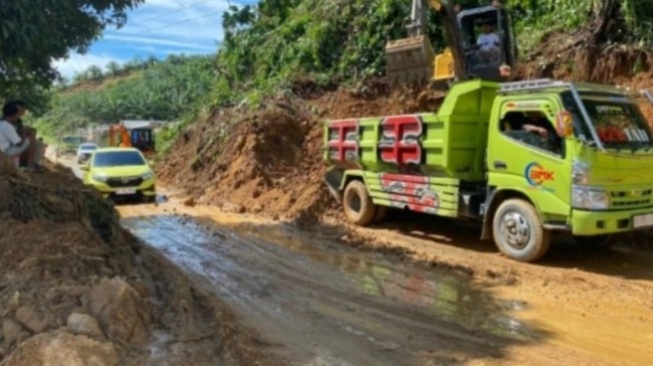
76	287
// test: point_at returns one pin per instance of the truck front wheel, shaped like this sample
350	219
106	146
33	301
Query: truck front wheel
358	204
518	231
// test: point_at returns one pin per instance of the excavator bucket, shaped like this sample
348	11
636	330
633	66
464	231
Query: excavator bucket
409	60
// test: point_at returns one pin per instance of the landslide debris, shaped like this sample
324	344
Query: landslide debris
268	160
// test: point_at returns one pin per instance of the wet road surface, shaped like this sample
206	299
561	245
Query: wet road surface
333	306
318	302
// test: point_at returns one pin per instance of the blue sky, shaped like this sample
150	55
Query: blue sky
159	28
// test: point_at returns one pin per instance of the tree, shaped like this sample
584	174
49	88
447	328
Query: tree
33	33
94	73
113	68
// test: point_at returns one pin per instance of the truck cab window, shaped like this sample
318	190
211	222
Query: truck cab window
532	128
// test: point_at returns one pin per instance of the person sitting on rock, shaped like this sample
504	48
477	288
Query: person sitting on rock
28	159
11	143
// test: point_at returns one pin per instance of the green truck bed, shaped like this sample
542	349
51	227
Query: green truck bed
450	143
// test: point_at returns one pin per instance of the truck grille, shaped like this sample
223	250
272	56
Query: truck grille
634	198
124	182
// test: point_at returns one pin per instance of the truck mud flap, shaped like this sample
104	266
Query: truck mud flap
333	179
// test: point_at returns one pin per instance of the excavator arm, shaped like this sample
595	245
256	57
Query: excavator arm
452	35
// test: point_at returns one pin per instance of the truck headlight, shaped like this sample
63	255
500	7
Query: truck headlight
100	177
147	175
588	198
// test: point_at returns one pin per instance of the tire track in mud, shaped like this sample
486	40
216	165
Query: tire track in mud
335	306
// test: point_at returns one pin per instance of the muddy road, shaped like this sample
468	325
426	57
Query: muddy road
315	301
333	306
409	292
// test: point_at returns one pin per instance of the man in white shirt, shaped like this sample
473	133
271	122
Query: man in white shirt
488	43
11	144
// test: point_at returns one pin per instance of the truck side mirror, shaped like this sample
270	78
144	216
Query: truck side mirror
564	124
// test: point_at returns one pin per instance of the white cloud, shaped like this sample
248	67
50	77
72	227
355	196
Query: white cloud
156	41
77	63
158	27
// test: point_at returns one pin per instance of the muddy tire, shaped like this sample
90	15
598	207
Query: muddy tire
597	242
358	205
518	231
381	213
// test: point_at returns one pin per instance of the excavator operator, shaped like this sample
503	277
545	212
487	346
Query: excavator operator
488	43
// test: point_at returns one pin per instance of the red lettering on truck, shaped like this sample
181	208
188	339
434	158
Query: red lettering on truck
343	140
400	143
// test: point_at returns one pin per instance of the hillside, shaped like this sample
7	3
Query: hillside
162	90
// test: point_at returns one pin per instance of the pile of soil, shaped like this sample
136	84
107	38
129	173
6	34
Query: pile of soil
76	289
269	160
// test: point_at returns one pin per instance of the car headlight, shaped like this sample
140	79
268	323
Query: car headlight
148	175
100	177
589	198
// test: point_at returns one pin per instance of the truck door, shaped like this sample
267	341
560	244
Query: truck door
525	154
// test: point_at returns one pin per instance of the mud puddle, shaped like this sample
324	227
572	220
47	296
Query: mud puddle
328	305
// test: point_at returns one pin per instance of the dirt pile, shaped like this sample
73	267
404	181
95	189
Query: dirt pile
568	56
76	289
269	161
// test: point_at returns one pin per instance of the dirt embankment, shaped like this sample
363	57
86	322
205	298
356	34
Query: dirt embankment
76	289
269	161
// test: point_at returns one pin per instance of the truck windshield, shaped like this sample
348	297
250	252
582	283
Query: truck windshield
618	121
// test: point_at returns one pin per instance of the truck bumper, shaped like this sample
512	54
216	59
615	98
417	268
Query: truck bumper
587	223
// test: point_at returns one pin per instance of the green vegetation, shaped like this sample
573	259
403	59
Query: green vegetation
164	90
32	33
276	42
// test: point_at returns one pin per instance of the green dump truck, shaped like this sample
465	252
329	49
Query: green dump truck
524	159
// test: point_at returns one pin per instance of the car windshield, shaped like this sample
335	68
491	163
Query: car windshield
117	158
618	121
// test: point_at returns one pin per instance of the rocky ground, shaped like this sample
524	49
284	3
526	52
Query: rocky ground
77	289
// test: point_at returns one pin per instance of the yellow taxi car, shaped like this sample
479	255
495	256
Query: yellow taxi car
120	173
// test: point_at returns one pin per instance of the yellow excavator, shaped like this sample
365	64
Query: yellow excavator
413	59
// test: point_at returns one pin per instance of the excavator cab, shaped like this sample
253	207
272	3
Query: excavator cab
413	59
484	59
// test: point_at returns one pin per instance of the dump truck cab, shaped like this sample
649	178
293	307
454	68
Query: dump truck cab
524	159
593	178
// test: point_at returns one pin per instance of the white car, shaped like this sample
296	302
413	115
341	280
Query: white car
84	151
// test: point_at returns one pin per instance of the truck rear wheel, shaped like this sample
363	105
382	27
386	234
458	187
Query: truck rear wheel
358	204
518	231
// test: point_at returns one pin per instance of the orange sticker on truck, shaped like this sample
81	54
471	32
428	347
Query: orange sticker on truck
536	174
